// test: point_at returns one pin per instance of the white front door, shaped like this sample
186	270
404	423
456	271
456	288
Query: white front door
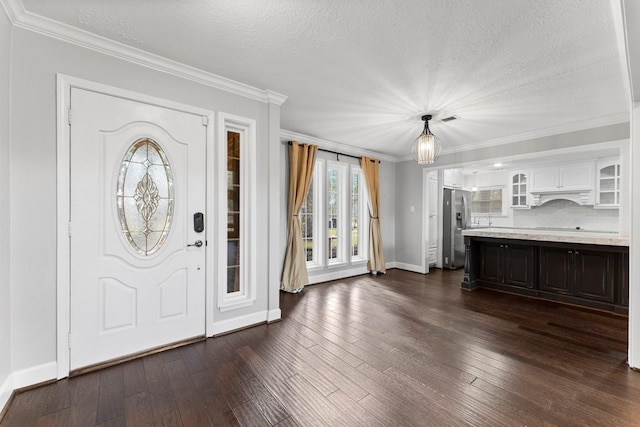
137	179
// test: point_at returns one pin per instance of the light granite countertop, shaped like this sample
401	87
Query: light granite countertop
547	235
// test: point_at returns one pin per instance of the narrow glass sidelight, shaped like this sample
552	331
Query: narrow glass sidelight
233	212
145	196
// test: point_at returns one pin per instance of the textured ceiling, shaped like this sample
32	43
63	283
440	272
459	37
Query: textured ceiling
362	72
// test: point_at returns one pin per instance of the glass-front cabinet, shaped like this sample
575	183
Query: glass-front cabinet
520	189
608	184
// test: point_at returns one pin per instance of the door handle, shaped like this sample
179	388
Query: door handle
197	244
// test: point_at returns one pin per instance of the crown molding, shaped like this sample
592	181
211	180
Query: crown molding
335	146
66	33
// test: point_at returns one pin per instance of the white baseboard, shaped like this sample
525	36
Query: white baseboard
274	315
35	375
6	388
241	322
411	267
25	378
327	276
391	264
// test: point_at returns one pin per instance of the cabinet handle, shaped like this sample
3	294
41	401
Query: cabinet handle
577	253
569	252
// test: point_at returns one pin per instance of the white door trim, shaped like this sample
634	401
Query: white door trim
64	84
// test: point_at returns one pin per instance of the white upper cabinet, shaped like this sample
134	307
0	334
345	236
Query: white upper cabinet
519	182
608	183
573	181
452	178
570	177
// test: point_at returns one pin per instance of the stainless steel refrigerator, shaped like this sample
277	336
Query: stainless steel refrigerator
455	217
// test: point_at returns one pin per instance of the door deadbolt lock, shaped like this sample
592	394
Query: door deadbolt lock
197	244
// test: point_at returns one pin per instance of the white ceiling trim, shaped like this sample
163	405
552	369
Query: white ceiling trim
619	19
541	133
50	28
334	146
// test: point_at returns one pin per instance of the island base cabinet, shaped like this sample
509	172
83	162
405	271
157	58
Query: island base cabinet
581	273
491	262
587	275
594	275
507	264
519	265
555	270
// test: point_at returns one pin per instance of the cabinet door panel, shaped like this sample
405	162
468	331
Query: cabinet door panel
594	275
491	267
518	265
544	179
576	177
555	270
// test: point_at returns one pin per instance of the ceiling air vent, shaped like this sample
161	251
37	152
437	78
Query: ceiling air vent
450	118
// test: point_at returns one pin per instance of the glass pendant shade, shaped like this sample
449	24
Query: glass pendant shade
427	147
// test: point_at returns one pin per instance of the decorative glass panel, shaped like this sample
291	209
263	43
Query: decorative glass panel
355	214
233	212
145	196
332	213
306	222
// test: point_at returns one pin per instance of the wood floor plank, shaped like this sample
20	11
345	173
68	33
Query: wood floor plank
161	398
352	411
400	349
110	394
219	411
59	418
192	410
248	414
269	406
137	410
135	380
84	404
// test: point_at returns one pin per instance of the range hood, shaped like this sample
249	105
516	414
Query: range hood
583	197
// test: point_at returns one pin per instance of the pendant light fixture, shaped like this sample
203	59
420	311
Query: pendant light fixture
426	148
475	187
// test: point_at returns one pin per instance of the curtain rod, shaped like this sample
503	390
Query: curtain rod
337	154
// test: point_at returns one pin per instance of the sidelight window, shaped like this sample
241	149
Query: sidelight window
237	214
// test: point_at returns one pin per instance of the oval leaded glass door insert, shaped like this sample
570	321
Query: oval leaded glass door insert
145	196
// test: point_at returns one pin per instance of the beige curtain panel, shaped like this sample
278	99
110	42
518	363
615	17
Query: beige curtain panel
301	162
371	176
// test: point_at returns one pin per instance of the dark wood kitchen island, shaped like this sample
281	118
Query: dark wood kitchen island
589	269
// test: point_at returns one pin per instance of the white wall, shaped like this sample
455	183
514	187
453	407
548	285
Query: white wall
35	63
408	215
388	210
5	322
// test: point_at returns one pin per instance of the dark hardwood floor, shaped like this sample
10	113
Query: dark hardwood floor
400	349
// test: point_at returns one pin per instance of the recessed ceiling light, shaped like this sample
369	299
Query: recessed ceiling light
497	165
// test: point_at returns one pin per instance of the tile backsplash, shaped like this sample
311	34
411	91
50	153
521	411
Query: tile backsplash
567	214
